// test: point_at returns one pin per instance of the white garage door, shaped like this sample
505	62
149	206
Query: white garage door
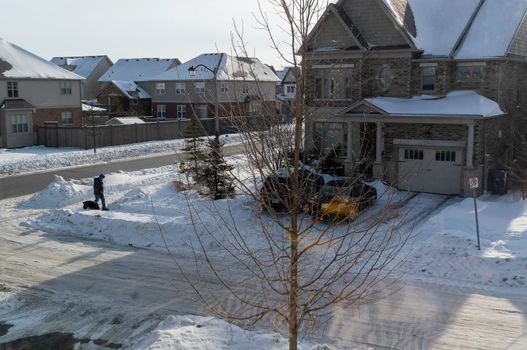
434	170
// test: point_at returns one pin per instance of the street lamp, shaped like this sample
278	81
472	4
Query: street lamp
192	71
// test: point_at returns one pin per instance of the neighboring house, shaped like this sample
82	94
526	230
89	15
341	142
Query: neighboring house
383	80
286	90
240	86
126	98
34	91
89	67
119	90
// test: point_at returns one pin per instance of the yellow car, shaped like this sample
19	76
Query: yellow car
344	201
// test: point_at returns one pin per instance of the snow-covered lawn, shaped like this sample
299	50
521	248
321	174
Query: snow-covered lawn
148	211
40	158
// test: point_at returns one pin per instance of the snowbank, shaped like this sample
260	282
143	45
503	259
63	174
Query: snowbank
39	158
201	333
59	193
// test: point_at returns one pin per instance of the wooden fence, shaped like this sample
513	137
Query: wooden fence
52	135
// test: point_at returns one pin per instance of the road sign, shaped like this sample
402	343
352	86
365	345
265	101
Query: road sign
474	183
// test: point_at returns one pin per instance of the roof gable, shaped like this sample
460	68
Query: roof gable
15	62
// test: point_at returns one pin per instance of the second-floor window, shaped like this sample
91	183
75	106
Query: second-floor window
199	88
245	89
19	124
223	87
66	118
470	73
160	89
181	111
333	83
290	89
65	88
161	111
12	89
428	78
180	89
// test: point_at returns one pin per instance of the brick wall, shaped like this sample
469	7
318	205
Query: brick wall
43	115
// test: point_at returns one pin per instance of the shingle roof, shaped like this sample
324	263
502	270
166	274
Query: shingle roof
228	68
138	69
16	104
460	29
81	65
131	89
15	62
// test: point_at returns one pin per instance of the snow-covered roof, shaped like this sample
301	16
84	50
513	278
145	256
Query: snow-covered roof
228	68
138	69
89	108
493	29
81	65
454	104
125	121
15	62
131	89
436	26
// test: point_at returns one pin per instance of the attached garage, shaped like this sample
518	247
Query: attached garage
434	169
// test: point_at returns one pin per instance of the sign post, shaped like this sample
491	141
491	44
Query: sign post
474	185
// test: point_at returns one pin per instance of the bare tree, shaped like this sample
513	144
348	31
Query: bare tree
291	267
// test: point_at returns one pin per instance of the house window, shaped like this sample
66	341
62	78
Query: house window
180	89
65	87
66	118
19	124
428	78
161	111
290	89
160	89
333	84
245	89
135	101
446	156
181	111
331	138
224	87
12	89
201	111
470	73
199	88
255	107
413	154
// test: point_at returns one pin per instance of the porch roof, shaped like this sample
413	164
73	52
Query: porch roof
18	103
454	104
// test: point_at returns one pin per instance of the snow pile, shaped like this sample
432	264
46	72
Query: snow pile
58	194
201	333
449	250
39	158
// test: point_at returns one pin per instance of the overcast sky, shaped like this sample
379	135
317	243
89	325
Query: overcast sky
132	28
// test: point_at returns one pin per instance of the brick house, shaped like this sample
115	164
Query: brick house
424	97
240	86
119	89
123	98
91	68
34	91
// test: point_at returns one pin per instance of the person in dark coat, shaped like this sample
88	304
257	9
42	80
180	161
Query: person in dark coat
98	190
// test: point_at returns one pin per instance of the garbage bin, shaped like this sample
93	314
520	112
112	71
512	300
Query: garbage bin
498	181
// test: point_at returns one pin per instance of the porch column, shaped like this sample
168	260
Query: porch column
470	146
349	154
379	144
